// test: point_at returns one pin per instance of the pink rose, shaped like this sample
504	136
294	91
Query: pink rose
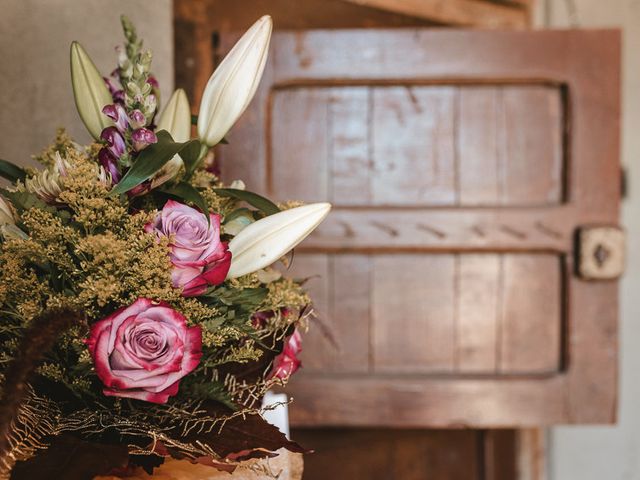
199	257
287	363
142	351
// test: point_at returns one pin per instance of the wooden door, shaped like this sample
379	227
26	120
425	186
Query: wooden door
382	454
461	165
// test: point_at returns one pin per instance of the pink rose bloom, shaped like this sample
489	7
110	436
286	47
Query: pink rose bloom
199	258
287	363
142	351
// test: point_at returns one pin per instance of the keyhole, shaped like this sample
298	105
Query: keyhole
601	254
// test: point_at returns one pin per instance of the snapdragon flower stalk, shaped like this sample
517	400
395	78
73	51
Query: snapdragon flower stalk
133	110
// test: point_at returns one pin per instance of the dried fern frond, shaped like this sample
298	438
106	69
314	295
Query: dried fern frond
37	340
37	418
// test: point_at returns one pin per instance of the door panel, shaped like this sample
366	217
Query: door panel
419	145
460	164
409	314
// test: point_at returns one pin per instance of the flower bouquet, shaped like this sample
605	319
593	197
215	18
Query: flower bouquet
141	318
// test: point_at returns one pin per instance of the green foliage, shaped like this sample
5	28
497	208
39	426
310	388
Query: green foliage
150	161
185	191
24	201
263	204
236	305
11	172
211	390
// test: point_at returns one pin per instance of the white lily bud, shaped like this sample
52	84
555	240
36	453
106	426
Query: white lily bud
265	241
234	82
175	119
7	214
89	91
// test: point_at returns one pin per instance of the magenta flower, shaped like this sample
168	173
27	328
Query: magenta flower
115	141
287	363
142	351
118	114
110	164
141	189
153	81
198	256
113	84
136	119
142	138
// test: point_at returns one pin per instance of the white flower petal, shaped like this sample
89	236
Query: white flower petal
265	241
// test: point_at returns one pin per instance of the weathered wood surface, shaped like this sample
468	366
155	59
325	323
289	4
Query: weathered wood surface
460	13
375	454
200	23
461	164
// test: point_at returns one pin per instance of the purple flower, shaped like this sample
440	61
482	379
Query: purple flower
137	119
113	84
118	114
198	256
115	141
142	138
118	97
110	164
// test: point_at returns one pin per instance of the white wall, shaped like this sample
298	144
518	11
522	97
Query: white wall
611	453
35	88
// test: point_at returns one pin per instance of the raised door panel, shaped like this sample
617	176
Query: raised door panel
418	146
406	314
460	165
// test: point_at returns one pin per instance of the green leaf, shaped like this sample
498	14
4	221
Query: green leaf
24	201
261	203
191	156
150	161
240	212
247	298
189	193
11	172
211	391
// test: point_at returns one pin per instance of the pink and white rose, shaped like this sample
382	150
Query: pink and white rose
142	351
198	256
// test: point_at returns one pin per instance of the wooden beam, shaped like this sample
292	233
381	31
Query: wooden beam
463	13
531	454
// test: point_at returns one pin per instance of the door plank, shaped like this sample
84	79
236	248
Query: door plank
477	146
412	313
349	138
413	154
532	142
299	164
338	339
477	313
352	291
530	296
318	352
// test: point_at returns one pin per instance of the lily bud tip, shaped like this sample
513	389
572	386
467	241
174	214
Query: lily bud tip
263	242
